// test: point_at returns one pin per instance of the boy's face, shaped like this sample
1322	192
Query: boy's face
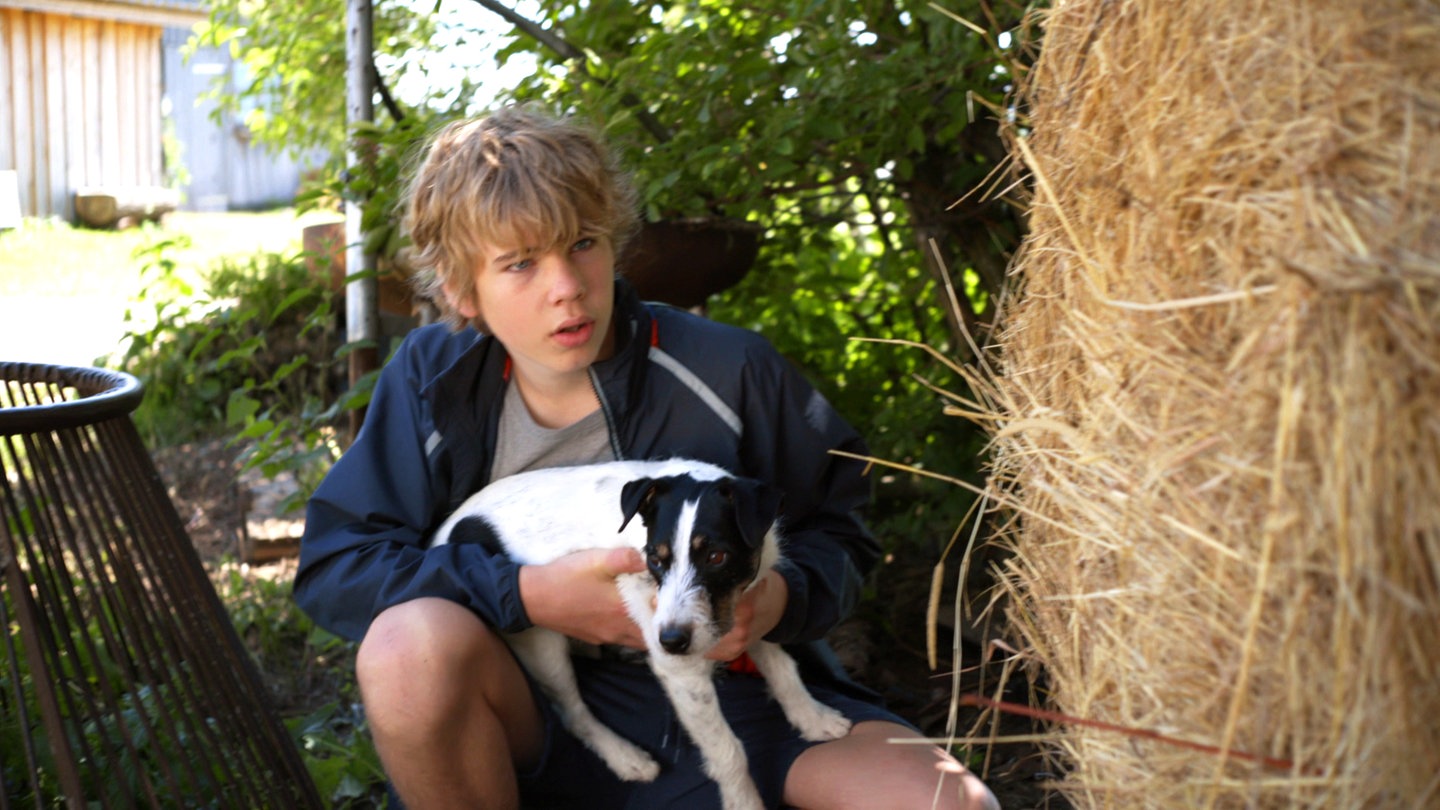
550	307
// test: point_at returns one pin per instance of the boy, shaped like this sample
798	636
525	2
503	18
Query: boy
548	360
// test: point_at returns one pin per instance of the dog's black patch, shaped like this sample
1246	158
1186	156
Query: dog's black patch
723	549
476	529
731	518
658	557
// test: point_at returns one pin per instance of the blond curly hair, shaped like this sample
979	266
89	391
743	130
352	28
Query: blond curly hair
515	177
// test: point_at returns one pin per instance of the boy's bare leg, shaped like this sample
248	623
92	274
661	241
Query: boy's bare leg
449	708
865	770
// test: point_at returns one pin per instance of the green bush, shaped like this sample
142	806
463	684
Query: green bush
300	661
254	356
825	307
258	323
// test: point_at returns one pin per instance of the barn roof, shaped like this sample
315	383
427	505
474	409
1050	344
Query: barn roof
163	13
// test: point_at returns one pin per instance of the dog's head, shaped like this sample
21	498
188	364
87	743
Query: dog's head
706	541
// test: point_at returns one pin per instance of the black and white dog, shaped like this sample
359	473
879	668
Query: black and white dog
707	537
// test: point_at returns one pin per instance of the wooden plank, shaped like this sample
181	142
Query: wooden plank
110	147
150	94
74	108
140	112
143	113
90	123
7	91
24	160
9	200
126	113
54	134
39	177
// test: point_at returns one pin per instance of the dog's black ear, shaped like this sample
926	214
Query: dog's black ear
638	496
757	505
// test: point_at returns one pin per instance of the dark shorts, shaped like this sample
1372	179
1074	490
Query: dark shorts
629	699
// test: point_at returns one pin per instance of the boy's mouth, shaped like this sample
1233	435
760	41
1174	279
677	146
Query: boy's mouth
575	333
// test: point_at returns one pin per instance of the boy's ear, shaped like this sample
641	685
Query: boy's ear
465	305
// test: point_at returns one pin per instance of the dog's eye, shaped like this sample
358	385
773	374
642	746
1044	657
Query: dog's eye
654	561
717	558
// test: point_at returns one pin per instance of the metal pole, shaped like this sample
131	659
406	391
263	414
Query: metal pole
362	307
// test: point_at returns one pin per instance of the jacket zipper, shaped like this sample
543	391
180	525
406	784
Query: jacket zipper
609	415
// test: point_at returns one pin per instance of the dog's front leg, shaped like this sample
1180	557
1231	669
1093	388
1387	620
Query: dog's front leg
814	720
546	656
689	681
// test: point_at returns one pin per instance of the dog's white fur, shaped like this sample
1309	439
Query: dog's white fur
542	515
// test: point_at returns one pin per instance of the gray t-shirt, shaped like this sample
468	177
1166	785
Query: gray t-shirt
524	445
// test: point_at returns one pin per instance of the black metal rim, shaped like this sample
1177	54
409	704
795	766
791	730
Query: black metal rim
103	394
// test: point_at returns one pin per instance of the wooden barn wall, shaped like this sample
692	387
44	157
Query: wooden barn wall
79	106
227	169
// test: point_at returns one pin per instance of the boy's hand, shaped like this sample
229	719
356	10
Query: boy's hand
756	613
576	595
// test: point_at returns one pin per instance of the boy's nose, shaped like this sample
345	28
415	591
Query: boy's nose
566	282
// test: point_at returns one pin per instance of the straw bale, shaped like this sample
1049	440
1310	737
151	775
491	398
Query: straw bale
1218	399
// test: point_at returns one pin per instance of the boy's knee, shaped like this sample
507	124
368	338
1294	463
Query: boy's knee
448	707
429	642
869	769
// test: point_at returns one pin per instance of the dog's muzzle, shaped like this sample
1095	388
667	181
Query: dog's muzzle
675	639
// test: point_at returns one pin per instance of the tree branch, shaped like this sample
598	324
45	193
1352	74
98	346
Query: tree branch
396	114
549	39
535	31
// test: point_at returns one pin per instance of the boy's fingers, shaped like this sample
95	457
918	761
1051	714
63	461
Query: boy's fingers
623	561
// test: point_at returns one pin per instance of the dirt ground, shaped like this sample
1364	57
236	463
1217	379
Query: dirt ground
883	645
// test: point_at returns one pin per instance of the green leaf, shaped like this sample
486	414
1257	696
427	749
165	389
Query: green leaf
241	409
295	297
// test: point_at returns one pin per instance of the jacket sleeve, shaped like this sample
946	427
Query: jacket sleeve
366	525
789	430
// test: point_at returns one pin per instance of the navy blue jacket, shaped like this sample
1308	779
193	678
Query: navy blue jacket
678	385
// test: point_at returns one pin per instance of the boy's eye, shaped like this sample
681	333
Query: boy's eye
583	245
522	264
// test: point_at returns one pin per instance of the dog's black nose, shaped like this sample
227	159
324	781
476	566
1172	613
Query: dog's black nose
675	640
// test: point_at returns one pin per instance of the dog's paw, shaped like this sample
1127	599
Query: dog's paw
631	764
820	723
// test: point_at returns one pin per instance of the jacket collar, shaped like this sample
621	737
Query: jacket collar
464	398
620	379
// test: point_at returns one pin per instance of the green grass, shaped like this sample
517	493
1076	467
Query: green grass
51	258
